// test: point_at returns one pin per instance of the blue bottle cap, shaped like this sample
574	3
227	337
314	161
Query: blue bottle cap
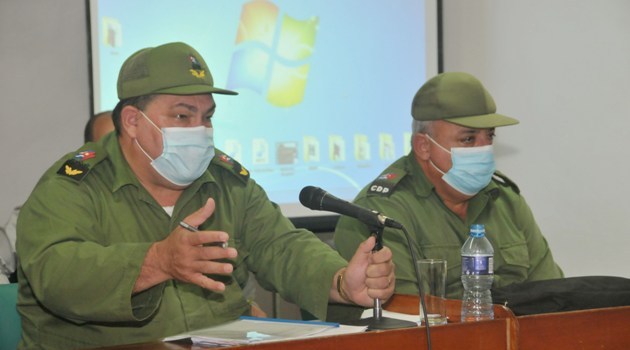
477	230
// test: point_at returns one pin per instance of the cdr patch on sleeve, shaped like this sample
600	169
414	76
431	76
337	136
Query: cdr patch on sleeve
384	184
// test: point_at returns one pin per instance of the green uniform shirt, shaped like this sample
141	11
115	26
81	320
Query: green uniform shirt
403	193
85	230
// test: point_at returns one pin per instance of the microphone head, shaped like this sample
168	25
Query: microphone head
311	197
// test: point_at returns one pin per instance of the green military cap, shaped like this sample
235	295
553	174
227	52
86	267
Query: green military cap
458	98
173	68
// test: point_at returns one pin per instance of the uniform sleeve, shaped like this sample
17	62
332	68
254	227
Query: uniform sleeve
71	271
542	264
295	263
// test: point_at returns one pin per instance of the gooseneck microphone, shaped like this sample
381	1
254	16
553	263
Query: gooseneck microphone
317	199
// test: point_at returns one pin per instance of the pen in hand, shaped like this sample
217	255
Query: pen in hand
194	229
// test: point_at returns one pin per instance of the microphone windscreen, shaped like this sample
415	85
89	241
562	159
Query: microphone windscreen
311	196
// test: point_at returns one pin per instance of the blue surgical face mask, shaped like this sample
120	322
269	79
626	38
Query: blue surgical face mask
472	168
186	153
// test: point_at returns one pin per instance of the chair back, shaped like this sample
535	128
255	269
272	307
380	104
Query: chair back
10	326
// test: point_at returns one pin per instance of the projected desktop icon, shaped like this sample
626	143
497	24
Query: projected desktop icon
336	148
111	32
286	152
386	146
361	147
260	151
311	149
271	53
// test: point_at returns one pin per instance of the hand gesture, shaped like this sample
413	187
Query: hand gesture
186	256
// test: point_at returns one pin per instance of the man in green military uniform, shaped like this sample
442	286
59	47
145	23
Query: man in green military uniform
124	240
448	182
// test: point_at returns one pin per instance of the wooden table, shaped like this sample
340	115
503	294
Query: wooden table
607	328
487	335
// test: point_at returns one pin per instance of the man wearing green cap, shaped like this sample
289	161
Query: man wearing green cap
448	182
151	232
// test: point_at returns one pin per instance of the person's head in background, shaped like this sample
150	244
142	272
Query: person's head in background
98	126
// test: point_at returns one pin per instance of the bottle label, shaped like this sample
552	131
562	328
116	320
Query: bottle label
477	265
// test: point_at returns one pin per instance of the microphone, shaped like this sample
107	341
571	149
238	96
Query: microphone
317	199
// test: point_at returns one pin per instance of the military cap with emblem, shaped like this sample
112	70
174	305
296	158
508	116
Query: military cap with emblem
458	98
173	68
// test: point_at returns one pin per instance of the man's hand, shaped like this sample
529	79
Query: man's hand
183	256
368	276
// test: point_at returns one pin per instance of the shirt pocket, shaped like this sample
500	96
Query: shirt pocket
511	263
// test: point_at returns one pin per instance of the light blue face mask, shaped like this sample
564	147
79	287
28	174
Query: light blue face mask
472	168
186	153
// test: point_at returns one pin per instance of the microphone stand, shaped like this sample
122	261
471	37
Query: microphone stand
377	321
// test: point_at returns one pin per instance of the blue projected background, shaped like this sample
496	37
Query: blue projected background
325	88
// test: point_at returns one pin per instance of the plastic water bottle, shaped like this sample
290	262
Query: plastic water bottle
477	276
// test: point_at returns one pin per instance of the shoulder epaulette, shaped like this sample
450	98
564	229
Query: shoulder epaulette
223	160
79	164
503	180
385	183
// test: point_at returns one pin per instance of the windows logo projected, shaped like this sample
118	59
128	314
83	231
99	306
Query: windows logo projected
271	53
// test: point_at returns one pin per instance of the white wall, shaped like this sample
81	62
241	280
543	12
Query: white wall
44	95
561	66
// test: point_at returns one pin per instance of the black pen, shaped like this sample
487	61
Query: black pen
194	229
